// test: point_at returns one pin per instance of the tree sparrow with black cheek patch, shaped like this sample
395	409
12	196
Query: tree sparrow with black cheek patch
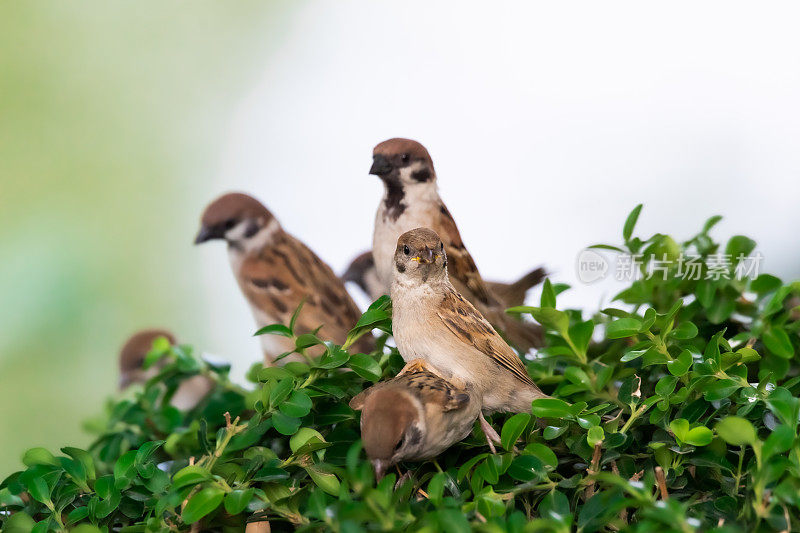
276	272
131	361
411	200
415	416
433	322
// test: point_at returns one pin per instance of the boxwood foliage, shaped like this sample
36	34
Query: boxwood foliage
676	410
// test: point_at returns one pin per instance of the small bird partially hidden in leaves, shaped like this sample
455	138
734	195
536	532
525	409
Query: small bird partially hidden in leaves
131	369
411	200
433	322
363	273
414	416
276	273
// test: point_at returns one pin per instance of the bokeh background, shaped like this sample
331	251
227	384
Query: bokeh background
547	123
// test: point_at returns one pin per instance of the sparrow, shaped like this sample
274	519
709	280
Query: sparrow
362	272
414	416
131	362
276	273
411	200
432	321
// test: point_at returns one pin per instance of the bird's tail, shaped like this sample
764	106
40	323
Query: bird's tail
523	335
513	294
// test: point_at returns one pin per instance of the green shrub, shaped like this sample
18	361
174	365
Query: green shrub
681	415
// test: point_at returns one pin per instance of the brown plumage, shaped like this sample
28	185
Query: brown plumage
276	272
363	273
131	360
417	415
432	321
411	200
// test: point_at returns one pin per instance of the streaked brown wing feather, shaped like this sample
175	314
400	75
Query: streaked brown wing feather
460	266
288	272
434	390
466	323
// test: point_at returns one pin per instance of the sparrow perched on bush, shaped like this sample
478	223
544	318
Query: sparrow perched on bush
411	200
417	415
276	272
363	273
131	369
433	322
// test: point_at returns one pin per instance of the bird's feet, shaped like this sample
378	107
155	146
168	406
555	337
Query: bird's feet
491	435
417	365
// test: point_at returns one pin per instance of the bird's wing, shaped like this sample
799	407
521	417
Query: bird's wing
469	326
460	266
435	390
287	273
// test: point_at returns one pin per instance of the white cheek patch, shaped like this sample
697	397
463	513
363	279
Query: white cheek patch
406	173
239	234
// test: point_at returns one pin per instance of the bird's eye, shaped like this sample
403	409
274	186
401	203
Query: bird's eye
230	223
404	158
406	249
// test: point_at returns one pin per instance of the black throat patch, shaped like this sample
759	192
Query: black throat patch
393	201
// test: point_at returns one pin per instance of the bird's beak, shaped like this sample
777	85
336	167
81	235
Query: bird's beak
207	234
425	257
380	165
380	466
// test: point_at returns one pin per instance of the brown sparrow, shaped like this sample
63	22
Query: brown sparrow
411	200
417	415
131	360
276	272
433	322
362	272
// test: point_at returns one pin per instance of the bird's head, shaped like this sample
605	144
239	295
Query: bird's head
402	162
133	353
420	256
236	218
392	426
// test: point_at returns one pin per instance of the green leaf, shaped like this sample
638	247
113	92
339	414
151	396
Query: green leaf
236	501
699	436
630	222
684	331
304	436
623	327
777	342
581	335
202	503
526	468
550	408
595	435
124	469
84	457
274	329
736	431
38	456
324	480
285	425
365	366
513	429
680	365
680	428
779	441
548	295
297	405
190	475
739	245
280	391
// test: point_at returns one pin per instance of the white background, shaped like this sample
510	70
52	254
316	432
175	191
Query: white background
546	124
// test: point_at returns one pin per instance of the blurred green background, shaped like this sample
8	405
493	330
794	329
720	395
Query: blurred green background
108	111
